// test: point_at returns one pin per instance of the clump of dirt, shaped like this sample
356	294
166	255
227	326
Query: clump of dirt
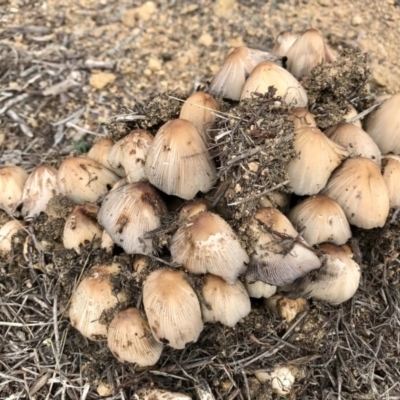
254	146
331	88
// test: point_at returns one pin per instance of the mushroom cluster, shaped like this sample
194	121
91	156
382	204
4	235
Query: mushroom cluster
124	191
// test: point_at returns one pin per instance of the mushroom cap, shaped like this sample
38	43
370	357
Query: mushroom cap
383	125
321	219
193	207
350	114
172	308
199	109
7	231
229	80
228	303
130	152
335	282
268	74
39	188
302	118
280	257
100	151
81	227
356	141
359	188
308	51
391	175
260	289
317	157
286	307
128	213
283	43
83	180
177	151
94	295
130	339
206	243
12	181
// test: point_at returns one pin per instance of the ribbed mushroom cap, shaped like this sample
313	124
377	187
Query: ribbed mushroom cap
193	207
359	188
383	125
159	394
130	339
81	227
260	289
84	180
178	163
321	219
94	294
308	51
229	80
200	109
206	243
317	157
12	181
106	242
350	114
100	151
391	175
128	213
39	188
228	303
7	231
280	257
356	141
302	118
130	152
269	74
172	308
283	43
335	282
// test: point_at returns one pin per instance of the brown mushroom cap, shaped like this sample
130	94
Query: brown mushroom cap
206	243
280	257
177	152
321	219
128	213
172	308
229	80
227	304
359	188
94	295
267	74
130	340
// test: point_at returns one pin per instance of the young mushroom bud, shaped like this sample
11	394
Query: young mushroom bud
285	307
177	152
229	80
317	157
206	243
94	295
281	380
283	43
130	152
84	180
130	340
81	227
391	175
269	74
280	255
39	188
7	231
226	304
335	282
100	151
359	188
200	109
129	213
383	125
308	51
159	394
321	219
172	308
356	141
12	181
